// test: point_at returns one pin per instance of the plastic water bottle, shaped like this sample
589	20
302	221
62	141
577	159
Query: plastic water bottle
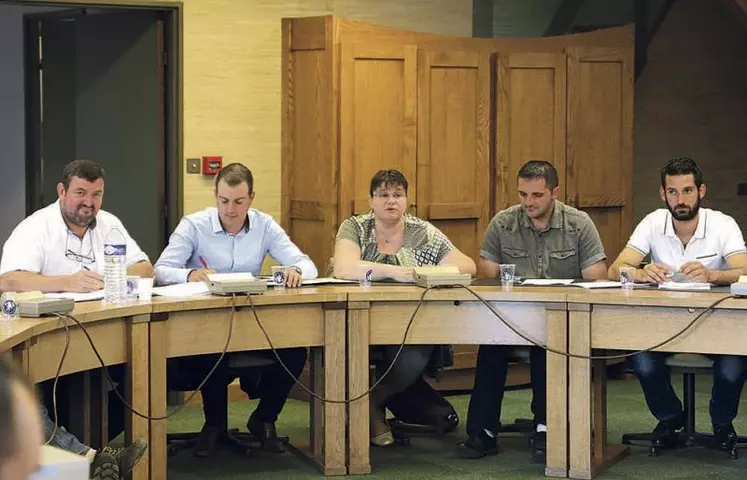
115	267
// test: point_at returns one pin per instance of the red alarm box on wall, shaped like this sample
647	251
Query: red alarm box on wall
211	165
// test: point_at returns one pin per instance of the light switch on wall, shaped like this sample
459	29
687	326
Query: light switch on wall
193	165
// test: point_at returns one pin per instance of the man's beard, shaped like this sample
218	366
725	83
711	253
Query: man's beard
688	214
77	219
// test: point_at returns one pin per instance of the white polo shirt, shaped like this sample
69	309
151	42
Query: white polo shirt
716	238
42	243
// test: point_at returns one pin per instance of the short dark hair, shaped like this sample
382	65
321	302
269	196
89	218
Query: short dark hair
540	169
10	375
85	169
681	166
234	174
388	178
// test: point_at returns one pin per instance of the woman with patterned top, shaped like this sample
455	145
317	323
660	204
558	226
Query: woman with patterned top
392	242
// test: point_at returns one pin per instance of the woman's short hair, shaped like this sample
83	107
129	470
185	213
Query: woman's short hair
388	179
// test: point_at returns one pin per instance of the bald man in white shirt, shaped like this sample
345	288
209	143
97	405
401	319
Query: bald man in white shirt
702	245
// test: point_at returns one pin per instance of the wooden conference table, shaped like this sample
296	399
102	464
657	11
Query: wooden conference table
635	320
143	335
334	320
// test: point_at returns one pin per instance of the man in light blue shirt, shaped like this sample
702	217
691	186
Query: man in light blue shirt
232	237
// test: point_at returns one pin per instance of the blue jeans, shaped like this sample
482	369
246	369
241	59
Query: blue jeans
61	438
729	373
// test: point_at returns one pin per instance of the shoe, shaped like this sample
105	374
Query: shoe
384	440
666	433
127	457
538	444
207	441
726	439
266	434
104	466
478	445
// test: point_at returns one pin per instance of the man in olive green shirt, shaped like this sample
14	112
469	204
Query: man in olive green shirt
544	238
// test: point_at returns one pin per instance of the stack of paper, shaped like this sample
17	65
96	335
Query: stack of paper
685	286
78	297
545	282
591	285
181	290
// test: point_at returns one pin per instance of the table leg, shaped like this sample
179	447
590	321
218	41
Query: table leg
557	386
358	383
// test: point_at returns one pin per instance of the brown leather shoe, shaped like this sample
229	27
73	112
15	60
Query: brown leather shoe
207	440
265	433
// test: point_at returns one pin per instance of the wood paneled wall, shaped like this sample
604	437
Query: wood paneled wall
458	116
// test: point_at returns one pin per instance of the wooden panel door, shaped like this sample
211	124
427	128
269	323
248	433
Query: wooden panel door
531	118
453	172
378	119
600	140
309	196
454	153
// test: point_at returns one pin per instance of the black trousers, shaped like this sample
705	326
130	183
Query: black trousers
490	383
269	383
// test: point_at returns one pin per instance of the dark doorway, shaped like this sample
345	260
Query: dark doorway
101	84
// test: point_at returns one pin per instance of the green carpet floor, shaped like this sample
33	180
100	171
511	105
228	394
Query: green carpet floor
428	458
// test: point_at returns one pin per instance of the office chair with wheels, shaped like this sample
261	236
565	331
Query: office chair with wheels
688	365
182	378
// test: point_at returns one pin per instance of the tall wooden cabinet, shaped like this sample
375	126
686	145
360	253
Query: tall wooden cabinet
458	116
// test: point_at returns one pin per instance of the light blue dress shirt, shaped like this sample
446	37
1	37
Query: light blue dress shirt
201	234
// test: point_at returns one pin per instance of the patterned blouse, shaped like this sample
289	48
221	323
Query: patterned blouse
423	243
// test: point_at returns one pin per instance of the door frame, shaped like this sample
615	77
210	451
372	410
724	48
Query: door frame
172	15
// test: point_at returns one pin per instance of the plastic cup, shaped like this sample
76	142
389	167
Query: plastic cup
508	274
627	277
132	287
365	272
278	276
145	288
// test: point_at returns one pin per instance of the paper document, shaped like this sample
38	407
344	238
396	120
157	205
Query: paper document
323	280
225	277
313	281
78	297
547	281
189	289
591	285
685	286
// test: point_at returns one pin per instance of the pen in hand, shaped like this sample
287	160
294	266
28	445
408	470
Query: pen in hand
200	275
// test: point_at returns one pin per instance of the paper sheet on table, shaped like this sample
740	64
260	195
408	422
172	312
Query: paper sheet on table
685	286
592	285
318	281
189	289
78	297
547	281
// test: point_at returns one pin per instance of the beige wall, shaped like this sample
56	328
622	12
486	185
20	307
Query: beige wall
691	100
232	77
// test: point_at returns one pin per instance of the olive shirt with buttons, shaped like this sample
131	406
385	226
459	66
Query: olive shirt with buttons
569	244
